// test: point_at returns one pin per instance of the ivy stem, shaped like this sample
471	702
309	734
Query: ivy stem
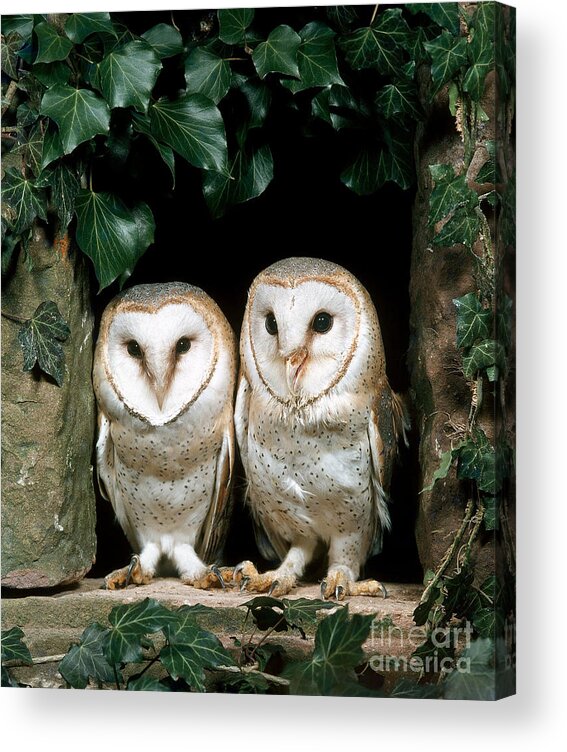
268	633
10	94
374	12
116	680
148	664
11	317
450	551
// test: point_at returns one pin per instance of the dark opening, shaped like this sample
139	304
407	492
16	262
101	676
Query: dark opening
306	211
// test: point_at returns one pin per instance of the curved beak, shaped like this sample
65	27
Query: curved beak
161	383
294	365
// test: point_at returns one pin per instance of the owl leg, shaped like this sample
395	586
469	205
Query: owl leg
280	581
140	571
341	579
193	572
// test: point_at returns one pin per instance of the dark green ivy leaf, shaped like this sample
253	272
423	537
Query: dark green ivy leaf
379	45
442	471
187	658
131	622
87	660
478	681
445	15
9	47
233	23
141	123
22	25
376	165
303	611
448	54
13	646
488	173
481	49
278	54
462	227
338	649
79	26
194	128
65	186
207	74
51	74
487	353
39	338
488	622
165	39
316	58
111	234
31	148
51	45
128	75
23	201
450	192
473	321
409	689
258	97
491	517
341	16
399	99
250	173
52	146
183	621
146	683
79	113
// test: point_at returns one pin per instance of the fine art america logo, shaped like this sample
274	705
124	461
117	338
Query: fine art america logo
385	635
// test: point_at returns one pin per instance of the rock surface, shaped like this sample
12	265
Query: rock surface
48	503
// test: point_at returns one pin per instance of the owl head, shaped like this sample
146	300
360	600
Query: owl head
310	328
160	346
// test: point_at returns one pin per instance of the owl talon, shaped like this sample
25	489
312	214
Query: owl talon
323	588
215	570
273	586
243	582
339	592
134	562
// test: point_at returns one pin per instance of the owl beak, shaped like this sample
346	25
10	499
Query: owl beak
294	366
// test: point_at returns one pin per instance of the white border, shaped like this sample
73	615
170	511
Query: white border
85	721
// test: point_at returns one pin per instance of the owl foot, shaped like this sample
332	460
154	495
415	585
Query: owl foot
275	583
130	575
337	585
215	577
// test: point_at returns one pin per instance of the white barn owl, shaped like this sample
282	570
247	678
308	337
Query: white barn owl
164	378
317	424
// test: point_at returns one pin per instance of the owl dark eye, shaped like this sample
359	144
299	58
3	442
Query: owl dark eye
134	349
271	324
183	345
322	322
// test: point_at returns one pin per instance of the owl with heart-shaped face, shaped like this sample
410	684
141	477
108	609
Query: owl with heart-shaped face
317	425
164	377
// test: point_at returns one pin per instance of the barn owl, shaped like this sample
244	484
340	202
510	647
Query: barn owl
317	425
164	377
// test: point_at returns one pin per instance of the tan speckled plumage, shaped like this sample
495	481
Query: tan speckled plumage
317	424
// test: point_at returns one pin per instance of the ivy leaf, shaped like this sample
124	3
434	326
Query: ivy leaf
187	658
379	45
128	75
165	39
462	227
52	146
31	148
79	113
111	234
52	73
65	186
130	622
341	16
489	173
23	200
79	26
316	58
442	471
376	165
478	682
450	192
408	689
302	611
263	613
481	50
51	45
207	74
249	174
487	353
488	622
445	15
473	321
22	25
39	339
278	54
146	683
399	99
337	106
87	660
13	646
338	649
183	621
259	98
448	54
194	128
233	24
9	47
141	124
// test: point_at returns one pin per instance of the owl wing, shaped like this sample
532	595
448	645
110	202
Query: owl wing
389	422
215	527
105	457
